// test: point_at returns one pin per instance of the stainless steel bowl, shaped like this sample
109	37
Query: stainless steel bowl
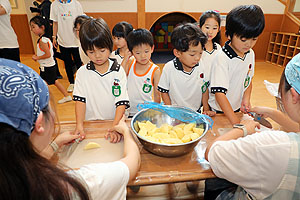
159	118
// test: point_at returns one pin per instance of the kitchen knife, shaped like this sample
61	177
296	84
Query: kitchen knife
261	120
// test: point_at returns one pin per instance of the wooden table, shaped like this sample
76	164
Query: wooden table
155	169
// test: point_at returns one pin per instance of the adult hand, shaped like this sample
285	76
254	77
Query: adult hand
262	111
250	126
66	138
114	136
79	131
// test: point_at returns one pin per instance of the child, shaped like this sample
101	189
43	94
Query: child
182	81
63	14
120	32
209	23
233	68
100	87
77	23
143	75
40	27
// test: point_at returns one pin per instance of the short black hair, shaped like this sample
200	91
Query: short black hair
95	32
246	21
80	19
138	37
187	34
211	14
122	29
42	21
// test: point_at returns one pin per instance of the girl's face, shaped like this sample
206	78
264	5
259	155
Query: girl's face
36	29
241	45
98	56
120	42
210	28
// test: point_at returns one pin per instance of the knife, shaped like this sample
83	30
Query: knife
69	149
261	120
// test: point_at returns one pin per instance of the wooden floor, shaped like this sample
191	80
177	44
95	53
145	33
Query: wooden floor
259	97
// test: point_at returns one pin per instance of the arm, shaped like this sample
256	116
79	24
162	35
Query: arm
206	108
55	30
156	93
127	61
80	109
279	117
246	106
226	108
132	156
45	48
234	134
113	135
166	98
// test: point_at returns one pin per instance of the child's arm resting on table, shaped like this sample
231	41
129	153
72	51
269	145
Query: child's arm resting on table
80	108
226	107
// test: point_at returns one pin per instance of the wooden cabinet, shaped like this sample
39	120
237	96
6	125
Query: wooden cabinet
282	47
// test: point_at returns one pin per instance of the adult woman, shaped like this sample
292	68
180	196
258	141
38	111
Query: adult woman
26	127
265	165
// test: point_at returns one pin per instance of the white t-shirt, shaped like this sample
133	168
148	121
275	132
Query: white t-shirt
140	86
65	14
47	62
231	75
8	37
101	93
207	58
257	162
184	88
116	55
105	181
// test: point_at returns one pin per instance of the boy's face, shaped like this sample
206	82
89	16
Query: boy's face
191	57
241	45
142	53
98	56
120	42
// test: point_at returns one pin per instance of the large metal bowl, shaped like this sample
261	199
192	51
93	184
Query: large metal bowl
159	118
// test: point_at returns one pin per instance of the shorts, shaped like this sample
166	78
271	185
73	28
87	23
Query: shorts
48	74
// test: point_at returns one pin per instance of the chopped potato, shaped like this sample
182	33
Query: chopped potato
168	134
91	145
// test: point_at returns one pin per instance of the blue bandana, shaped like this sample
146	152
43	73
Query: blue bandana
292	72
23	94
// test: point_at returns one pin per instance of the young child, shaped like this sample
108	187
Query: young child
100	87
120	32
44	55
233	68
182	81
77	23
143	75
63	14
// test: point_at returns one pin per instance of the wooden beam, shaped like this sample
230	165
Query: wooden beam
141	13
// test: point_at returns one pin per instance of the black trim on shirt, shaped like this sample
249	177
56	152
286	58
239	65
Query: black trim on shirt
122	103
117	53
178	66
114	67
78	98
231	53
162	90
213	50
218	89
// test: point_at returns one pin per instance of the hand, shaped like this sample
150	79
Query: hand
66	138
209	113
35	57
121	127
79	131
114	136
127	55
262	111
245	107
250	126
54	42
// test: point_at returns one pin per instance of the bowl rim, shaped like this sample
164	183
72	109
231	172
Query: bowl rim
167	145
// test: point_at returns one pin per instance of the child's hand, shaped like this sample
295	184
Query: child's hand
66	138
262	111
79	131
121	127
209	113
54	42
35	57
245	107
114	136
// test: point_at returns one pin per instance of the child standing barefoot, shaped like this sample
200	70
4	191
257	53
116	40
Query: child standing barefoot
40	27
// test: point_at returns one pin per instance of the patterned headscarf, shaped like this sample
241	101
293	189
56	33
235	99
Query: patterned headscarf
292	72
23	94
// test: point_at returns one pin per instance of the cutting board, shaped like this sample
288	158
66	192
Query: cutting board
108	152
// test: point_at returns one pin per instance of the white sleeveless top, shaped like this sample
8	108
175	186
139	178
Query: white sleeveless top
139	86
48	62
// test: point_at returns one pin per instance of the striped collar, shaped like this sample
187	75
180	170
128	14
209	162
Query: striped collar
178	66
114	67
227	49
